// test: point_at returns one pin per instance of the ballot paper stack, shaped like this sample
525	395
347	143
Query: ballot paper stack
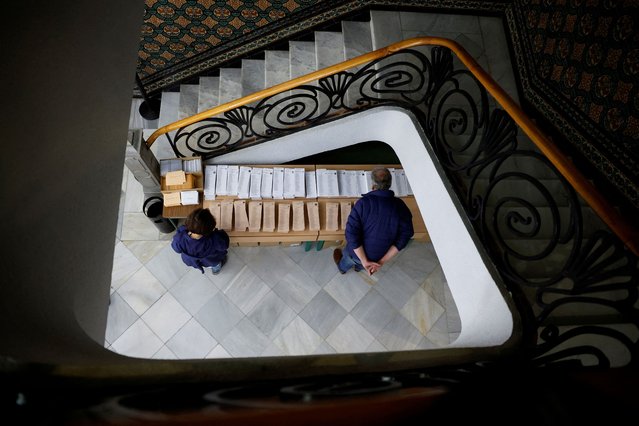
280	183
181	180
256	183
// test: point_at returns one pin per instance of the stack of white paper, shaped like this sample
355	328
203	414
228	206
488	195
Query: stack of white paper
267	183
255	191
189	198
393	180
300	180
311	184
364	182
327	185
244	182
170	165
192	166
210	173
278	183
289	183
222	175
402	183
232	180
347	181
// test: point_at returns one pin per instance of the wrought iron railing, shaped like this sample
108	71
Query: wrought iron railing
576	288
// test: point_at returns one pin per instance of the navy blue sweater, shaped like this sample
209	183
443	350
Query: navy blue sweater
207	251
378	221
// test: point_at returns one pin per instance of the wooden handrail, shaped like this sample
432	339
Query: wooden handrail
627	232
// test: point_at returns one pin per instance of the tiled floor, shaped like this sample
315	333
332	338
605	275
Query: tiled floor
267	301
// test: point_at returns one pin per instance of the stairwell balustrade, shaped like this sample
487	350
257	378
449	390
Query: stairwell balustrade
576	288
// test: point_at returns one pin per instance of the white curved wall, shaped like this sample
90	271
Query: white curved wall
485	317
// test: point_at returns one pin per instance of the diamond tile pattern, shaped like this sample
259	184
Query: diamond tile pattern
272	301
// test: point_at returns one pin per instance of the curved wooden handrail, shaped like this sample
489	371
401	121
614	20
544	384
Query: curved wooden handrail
628	233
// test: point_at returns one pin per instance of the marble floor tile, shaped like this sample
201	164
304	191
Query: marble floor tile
119	318
417	261
399	335
422	311
373	312
376	347
426	343
298	338
323	314
396	286
141	290
324	349
350	336
438	334
193	290
347	289
271	315
245	340
296	252
320	266
234	264
192	341
125	264
166	316
145	250
296	288
134	200
164	353
167	266
246	290
272	350
136	226
435	285
263	260
453	320
219	315
218	352
137	341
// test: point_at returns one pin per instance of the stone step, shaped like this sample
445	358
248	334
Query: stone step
329	48
357	38
209	93
169	108
189	94
252	76
230	84
276	67
302	58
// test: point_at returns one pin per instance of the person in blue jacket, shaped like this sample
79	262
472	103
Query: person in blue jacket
378	227
200	244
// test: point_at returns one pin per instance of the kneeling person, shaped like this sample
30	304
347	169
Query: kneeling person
378	227
200	243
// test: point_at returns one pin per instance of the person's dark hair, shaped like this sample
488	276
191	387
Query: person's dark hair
200	221
382	178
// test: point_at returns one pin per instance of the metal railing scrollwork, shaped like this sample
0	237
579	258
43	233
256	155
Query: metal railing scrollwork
524	199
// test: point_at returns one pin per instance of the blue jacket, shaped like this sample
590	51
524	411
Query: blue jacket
207	251
377	221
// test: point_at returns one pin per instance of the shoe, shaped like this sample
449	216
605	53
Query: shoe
337	257
223	262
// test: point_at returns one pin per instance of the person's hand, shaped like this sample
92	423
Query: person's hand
371	267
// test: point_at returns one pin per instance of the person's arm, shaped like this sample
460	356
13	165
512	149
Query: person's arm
371	267
392	251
